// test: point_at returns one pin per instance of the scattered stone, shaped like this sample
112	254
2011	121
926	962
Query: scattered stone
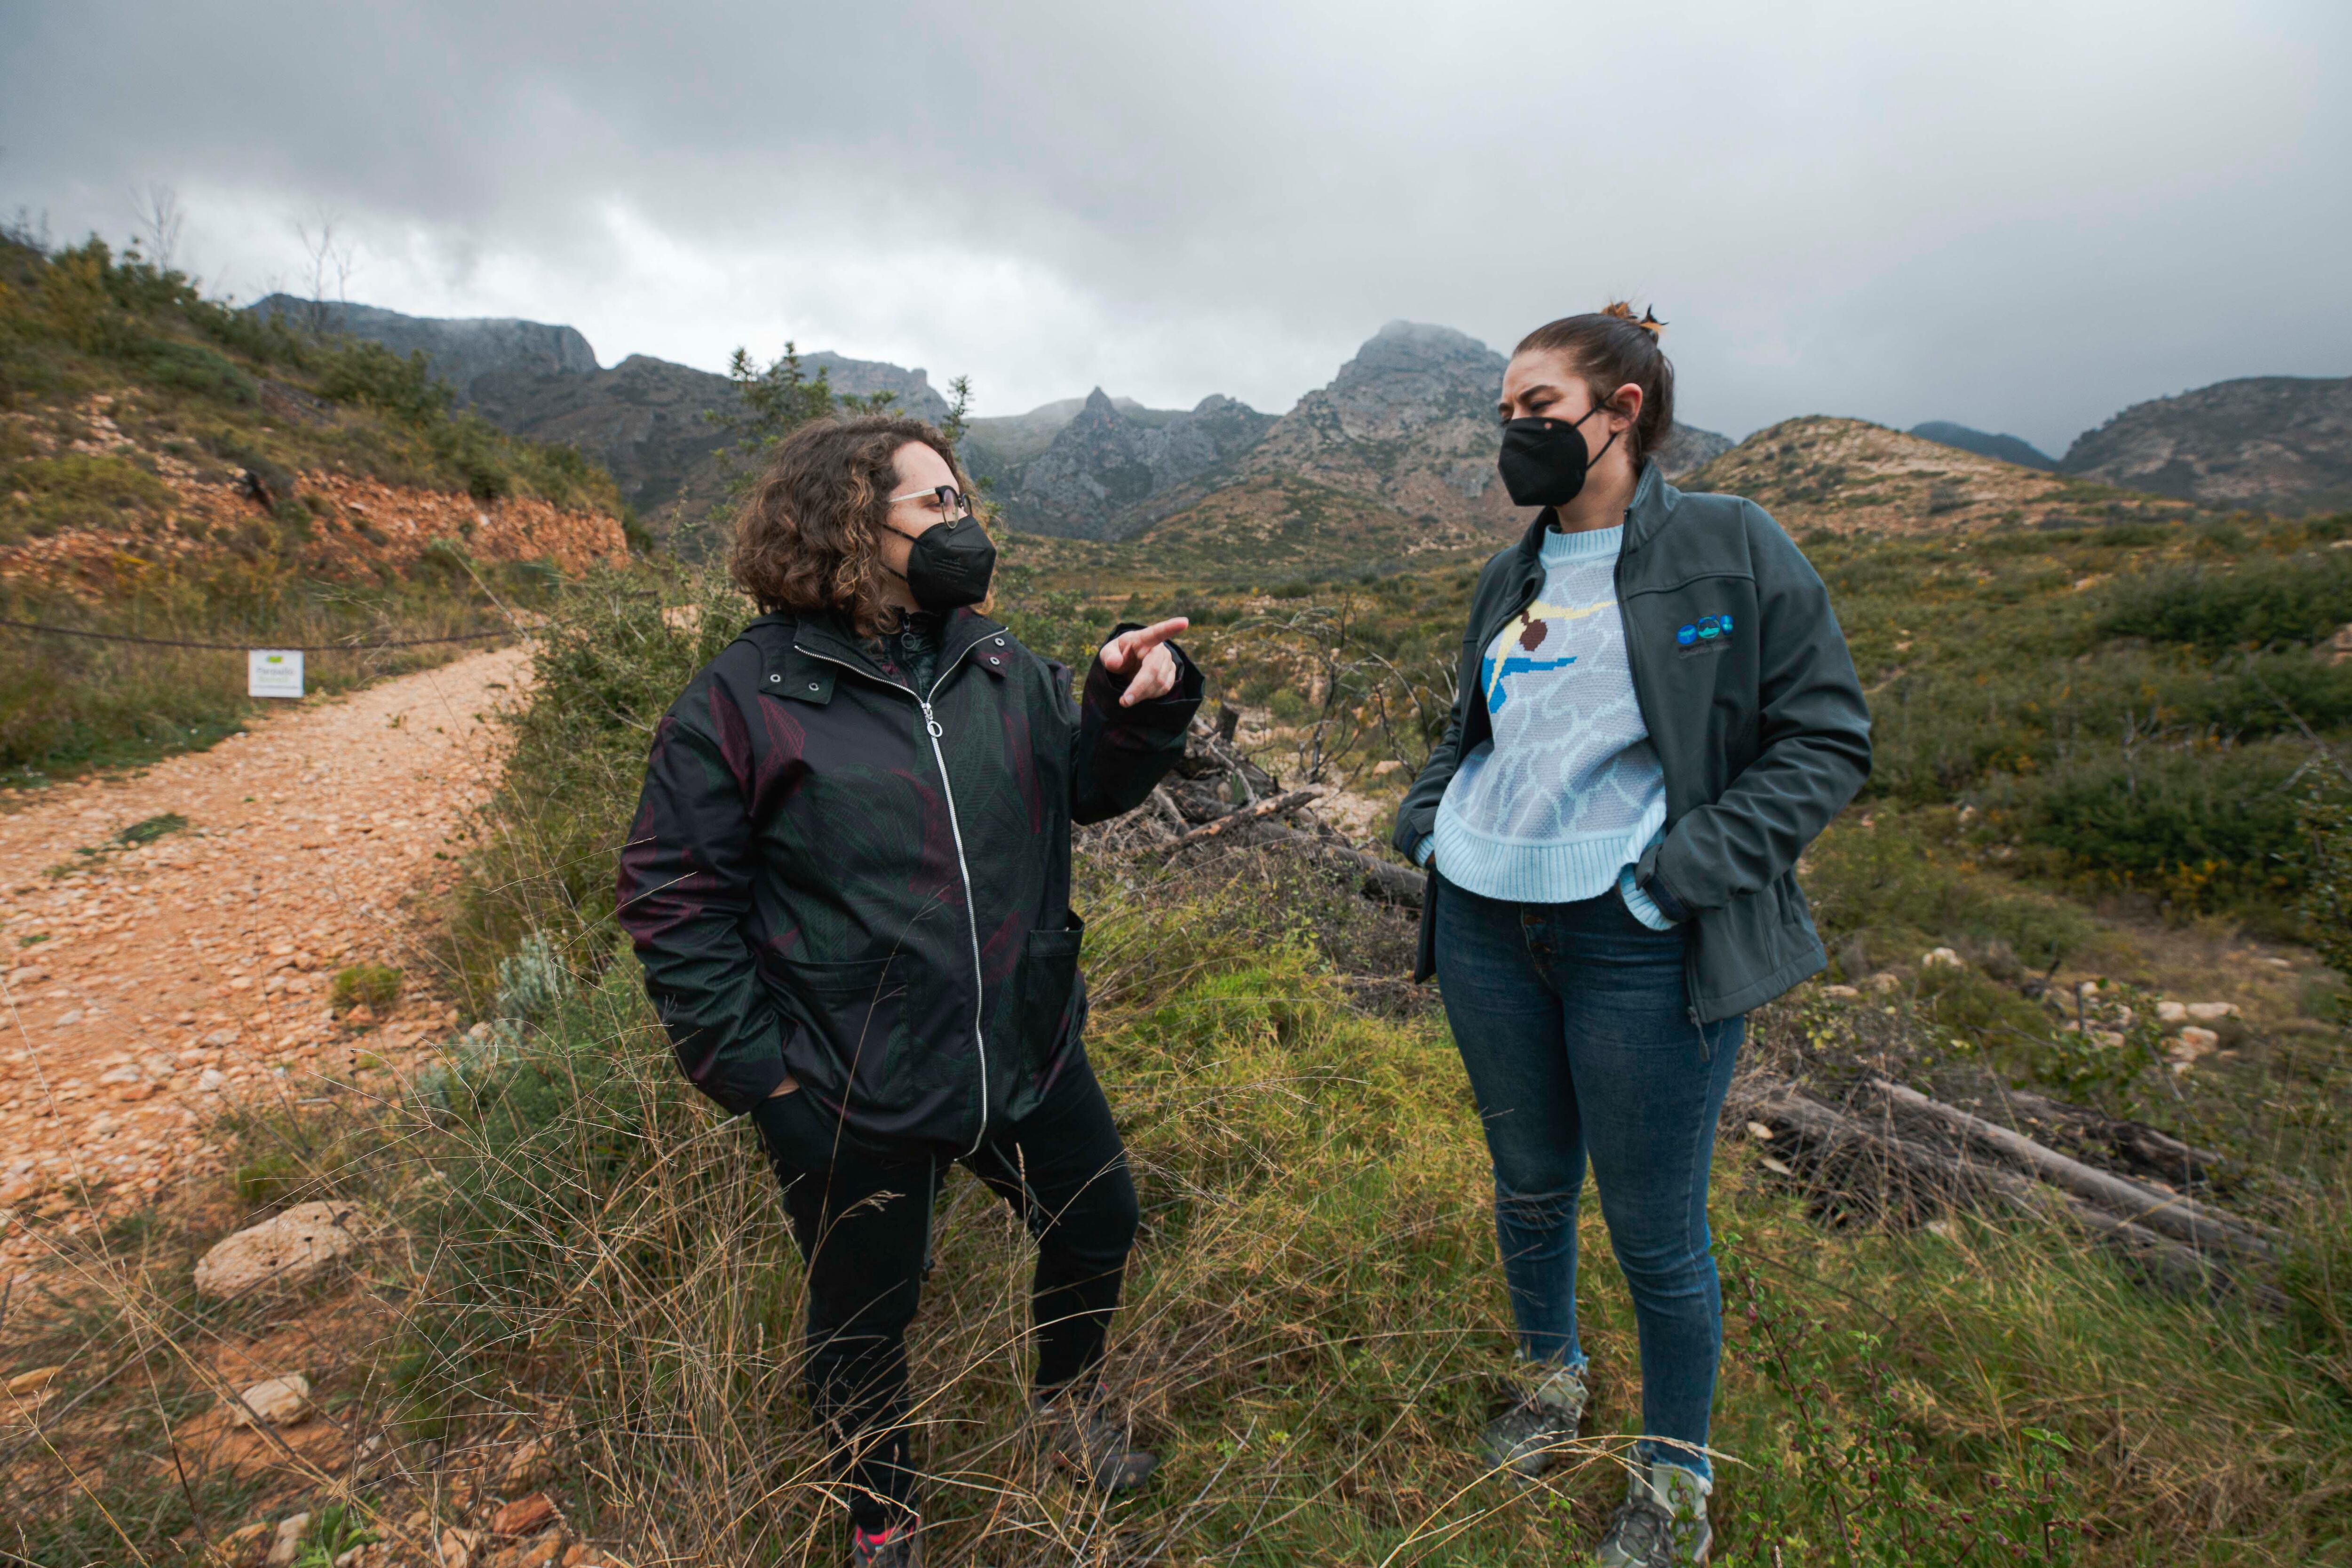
2214	1012
289	1545
533	1465
2172	1013
524	1515
1761	1133
1843	992
1941	958
2192	1044
238	1546
273	1402
297	1246
1886	980
26	1384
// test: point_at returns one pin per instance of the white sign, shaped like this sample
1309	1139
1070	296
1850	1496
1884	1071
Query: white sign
273	672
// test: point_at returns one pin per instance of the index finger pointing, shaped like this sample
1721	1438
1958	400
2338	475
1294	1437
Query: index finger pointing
1143	639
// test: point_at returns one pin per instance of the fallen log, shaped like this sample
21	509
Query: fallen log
2184	1219
1273	806
1380	878
2133	1142
1829	1130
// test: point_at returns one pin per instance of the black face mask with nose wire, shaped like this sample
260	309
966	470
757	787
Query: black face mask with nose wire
1544	461
948	565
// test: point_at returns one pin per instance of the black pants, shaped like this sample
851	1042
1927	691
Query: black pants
861	1213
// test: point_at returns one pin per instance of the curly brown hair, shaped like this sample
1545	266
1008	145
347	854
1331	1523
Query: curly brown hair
809	537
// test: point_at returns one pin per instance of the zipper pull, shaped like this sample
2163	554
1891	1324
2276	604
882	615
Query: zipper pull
929	723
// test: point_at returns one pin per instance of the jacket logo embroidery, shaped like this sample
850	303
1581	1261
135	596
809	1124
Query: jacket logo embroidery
1707	629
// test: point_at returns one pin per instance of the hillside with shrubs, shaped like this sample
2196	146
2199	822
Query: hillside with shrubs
175	469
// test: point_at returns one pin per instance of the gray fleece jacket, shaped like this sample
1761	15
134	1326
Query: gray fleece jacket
1751	701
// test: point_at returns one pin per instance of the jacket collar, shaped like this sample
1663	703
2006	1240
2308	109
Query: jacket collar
826	635
1651	505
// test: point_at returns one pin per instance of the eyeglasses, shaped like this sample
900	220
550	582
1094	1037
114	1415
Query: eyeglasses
951	502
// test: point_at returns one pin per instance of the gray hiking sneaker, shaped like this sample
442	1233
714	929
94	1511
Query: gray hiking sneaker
1073	1431
1662	1523
1527	1438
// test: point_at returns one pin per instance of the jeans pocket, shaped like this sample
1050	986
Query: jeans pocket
858	1012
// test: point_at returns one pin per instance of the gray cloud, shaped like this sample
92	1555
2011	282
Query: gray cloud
2023	217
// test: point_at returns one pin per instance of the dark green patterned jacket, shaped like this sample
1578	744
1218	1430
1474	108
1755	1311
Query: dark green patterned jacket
833	876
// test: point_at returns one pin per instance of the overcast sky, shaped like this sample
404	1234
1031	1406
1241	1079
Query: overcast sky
2023	217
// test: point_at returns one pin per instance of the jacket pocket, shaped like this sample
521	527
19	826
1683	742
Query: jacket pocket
1048	988
858	1012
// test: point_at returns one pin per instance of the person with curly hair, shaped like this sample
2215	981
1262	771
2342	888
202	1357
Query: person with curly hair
848	881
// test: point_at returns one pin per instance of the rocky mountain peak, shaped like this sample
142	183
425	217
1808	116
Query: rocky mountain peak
1409	375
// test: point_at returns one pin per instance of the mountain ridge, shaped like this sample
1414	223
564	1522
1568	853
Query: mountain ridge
2274	443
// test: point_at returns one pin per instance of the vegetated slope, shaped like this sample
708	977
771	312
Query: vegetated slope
1849	475
174	469
144	426
648	420
2269	443
1984	443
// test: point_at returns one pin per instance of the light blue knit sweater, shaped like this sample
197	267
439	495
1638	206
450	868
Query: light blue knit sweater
1563	800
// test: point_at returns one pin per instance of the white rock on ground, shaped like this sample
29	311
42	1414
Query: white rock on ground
2214	1012
285	1549
2193	1043
273	1402
2172	1013
298	1246
1941	958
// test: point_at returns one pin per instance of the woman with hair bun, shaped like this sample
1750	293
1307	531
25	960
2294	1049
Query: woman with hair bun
1656	714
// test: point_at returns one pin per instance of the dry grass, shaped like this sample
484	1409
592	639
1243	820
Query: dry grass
572	1248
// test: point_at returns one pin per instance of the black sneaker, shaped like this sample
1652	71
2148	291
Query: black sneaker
1526	1439
1662	1523
896	1547
1086	1442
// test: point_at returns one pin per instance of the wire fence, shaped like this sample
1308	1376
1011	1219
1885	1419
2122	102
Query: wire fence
243	647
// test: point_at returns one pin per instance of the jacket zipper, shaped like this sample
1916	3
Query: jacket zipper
971	913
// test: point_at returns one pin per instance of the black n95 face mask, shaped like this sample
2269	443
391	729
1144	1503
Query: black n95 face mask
948	565
1544	461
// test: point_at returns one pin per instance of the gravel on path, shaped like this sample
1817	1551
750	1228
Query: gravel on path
141	987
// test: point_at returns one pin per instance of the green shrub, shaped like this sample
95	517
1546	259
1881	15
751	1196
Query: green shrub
2257	604
356	370
80	489
375	985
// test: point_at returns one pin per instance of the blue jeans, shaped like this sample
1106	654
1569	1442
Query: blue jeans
1575	1024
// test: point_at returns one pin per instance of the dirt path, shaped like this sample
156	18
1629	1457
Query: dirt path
143	984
